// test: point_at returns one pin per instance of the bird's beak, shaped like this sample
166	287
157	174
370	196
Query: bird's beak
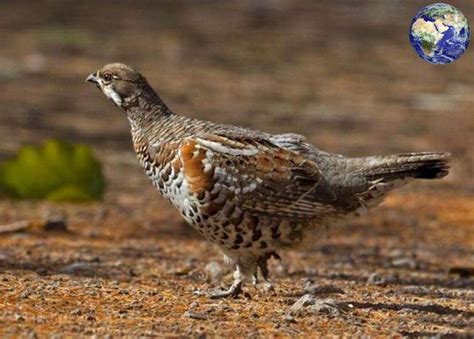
92	78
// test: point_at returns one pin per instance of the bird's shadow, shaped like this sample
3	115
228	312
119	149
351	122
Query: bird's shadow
430	308
108	263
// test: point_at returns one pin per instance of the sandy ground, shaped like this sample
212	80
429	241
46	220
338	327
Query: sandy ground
341	73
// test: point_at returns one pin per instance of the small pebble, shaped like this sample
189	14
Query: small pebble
196	315
75	268
376	279
405	263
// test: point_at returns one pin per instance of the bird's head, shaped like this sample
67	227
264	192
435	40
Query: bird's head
120	83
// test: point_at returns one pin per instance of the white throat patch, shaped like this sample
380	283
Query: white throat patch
112	95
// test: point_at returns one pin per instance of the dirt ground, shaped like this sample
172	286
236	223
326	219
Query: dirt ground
340	72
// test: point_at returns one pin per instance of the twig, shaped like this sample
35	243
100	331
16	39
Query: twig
15	226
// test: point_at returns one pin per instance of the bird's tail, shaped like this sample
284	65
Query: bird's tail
385	173
427	165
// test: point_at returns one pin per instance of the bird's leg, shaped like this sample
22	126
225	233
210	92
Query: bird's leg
262	263
255	277
234	290
258	264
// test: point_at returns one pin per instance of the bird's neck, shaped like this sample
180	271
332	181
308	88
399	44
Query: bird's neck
146	110
152	122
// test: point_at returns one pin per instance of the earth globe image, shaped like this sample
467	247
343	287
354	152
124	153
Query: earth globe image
439	33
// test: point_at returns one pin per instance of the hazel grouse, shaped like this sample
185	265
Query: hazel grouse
251	193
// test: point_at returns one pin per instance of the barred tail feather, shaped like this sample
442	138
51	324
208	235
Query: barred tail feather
428	165
386	173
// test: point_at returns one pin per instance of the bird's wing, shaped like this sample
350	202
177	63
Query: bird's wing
263	177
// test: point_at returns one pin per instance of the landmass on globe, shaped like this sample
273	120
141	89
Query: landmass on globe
440	33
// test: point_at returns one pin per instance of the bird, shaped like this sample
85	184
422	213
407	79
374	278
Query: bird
251	193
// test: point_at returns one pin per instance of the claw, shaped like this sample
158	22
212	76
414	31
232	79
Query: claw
233	292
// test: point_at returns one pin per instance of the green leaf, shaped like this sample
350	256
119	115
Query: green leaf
56	171
68	193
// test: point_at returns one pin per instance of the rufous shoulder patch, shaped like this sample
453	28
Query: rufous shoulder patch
192	158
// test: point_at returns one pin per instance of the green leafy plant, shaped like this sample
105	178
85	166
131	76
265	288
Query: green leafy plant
56	171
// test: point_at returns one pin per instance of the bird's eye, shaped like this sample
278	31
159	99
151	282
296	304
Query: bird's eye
107	77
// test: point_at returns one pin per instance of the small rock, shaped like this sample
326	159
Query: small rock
77	311
417	290
196	315
194	304
289	318
211	309
327	306
90	318
376	279
55	220
19	317
214	271
199	292
463	272
75	268
309	303
301	303
25	294
179	271
55	226
396	253
405	263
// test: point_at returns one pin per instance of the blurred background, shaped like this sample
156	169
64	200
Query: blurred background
341	73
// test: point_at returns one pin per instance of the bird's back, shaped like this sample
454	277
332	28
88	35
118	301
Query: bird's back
343	185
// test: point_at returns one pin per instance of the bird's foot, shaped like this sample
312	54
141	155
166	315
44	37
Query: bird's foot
267	286
264	286
233	292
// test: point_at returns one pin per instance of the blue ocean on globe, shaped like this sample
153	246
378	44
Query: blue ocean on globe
440	33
